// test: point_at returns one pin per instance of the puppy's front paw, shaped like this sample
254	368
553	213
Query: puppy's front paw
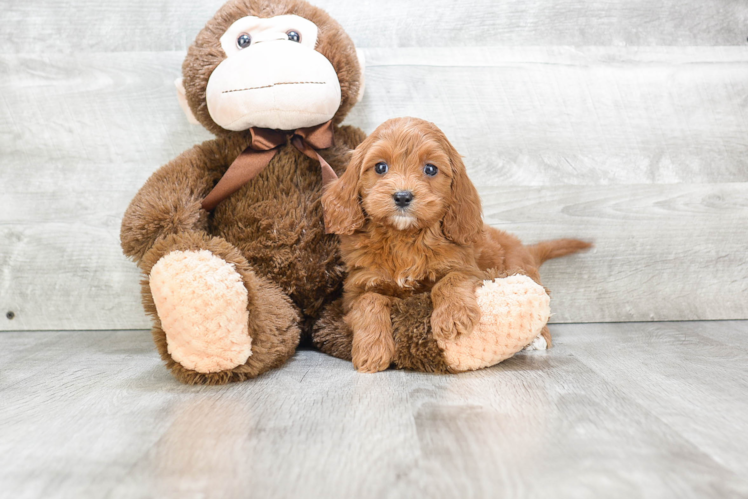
451	320
375	356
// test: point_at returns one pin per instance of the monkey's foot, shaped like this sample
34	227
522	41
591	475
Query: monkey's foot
514	310
202	304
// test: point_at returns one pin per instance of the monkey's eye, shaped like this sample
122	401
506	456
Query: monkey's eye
381	168
430	170
243	41
294	36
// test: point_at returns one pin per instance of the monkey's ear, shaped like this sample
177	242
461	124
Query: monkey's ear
340	203
463	222
182	97
362	65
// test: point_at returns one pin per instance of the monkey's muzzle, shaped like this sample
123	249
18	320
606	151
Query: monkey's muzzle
276	84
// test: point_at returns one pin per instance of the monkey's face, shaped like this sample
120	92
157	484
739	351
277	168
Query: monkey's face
281	64
272	76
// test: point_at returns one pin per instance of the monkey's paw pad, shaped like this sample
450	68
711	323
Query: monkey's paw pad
202	304
513	311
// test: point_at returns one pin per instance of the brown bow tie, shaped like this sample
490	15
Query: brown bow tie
263	147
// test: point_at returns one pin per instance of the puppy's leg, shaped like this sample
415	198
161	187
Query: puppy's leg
373	341
456	309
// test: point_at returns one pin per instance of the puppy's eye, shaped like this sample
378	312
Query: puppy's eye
381	168
430	170
243	41
294	36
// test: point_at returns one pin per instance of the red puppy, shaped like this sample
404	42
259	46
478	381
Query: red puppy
409	221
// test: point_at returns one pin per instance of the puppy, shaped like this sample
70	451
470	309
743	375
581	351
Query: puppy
409	221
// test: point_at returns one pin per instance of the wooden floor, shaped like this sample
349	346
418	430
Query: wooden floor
628	409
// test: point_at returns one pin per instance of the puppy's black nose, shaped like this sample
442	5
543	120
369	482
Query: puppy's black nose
403	198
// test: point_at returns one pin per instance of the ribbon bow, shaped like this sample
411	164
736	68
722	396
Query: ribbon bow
263	147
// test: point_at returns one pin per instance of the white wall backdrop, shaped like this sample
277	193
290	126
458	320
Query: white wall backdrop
621	121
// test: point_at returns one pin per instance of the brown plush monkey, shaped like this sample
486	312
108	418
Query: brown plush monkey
230	236
231	289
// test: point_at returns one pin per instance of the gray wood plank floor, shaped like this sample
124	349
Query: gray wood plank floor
628	409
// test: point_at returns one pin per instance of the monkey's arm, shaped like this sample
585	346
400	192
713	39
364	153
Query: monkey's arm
169	202
349	136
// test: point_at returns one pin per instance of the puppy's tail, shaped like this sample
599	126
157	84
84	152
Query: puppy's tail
546	250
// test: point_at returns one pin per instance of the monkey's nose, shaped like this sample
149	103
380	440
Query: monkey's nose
403	198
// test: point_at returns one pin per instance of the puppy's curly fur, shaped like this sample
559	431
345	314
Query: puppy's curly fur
409	221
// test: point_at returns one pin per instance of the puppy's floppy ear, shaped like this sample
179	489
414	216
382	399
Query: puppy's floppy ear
343	214
463	222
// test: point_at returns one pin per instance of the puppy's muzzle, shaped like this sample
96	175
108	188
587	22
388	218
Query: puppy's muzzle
403	198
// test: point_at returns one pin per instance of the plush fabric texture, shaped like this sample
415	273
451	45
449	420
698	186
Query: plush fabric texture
273	320
415	346
202	304
269	30
331	334
239	98
206	53
513	311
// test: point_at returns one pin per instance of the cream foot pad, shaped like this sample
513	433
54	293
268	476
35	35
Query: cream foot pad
513	311
202	304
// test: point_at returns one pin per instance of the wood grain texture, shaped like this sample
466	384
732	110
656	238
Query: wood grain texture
662	252
620	410
521	116
79	135
683	373
77	141
141	25
554	116
727	332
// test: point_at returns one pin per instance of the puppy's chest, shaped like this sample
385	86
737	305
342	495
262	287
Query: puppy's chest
396	270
